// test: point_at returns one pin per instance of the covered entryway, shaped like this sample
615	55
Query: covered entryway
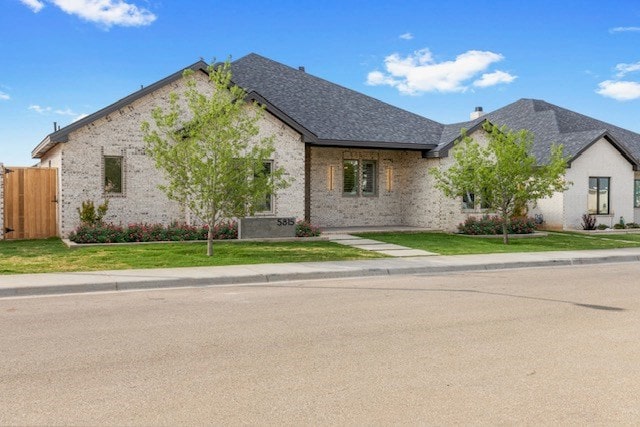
30	203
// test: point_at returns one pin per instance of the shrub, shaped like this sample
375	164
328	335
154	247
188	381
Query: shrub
98	233
305	229
489	225
632	225
588	222
90	215
109	233
619	226
602	227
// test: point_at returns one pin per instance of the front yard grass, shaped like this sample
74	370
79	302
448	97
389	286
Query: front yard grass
454	244
51	255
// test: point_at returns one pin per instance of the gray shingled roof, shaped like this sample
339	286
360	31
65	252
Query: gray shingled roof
551	124
332	112
329	114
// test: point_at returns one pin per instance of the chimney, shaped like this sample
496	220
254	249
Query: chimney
476	113
55	126
301	68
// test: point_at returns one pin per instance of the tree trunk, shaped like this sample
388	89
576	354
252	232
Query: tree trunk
210	240
505	231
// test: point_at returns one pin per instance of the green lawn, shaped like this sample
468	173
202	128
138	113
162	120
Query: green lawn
453	244
43	256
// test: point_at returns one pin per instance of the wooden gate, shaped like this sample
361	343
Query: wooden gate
30	203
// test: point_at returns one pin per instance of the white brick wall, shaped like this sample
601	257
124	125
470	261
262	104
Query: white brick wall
79	162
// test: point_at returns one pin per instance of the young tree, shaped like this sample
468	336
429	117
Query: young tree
504	174
210	152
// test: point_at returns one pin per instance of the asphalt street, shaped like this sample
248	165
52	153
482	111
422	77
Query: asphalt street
534	346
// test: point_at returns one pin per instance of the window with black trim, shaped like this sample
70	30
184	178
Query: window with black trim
636	193
350	177
599	195
470	201
359	178
369	178
113	174
267	168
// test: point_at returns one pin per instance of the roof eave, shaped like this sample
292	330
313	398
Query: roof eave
615	143
307	135
374	144
62	135
41	149
444	150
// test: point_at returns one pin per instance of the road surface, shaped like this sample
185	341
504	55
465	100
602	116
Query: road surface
535	346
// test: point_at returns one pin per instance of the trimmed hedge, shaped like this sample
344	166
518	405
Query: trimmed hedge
109	233
489	225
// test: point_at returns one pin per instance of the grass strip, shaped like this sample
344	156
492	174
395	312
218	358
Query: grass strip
51	255
455	244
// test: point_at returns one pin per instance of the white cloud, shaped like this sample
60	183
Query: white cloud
65	112
495	78
35	5
4	96
624	69
406	36
103	12
624	29
60	112
619	90
419	72
38	109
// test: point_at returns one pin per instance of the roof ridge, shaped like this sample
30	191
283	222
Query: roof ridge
352	91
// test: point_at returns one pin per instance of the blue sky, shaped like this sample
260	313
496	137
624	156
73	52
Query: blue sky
61	59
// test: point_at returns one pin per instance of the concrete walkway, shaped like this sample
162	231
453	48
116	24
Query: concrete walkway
58	283
375	246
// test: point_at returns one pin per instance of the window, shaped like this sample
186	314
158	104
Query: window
598	199
636	193
267	168
268	199
350	178
359	178
113	175
468	200
369	175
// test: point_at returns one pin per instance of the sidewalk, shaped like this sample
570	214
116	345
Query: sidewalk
59	283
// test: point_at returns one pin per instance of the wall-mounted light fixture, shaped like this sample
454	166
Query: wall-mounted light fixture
330	173
389	178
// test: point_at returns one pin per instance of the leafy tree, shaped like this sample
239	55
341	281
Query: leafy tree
210	152
504	174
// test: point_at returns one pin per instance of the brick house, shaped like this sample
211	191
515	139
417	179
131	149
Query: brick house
353	160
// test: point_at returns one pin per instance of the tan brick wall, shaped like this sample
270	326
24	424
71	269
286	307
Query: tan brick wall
413	199
80	162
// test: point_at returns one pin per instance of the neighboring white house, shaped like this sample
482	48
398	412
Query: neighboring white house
353	160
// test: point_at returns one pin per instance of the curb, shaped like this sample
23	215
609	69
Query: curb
114	284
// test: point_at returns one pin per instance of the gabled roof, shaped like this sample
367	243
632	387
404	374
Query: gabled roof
328	114
334	114
550	124
62	135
